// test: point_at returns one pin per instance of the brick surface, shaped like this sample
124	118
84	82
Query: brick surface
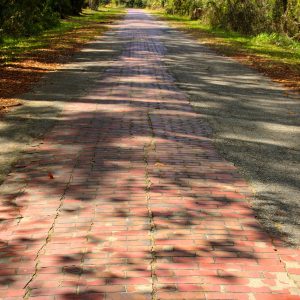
127	198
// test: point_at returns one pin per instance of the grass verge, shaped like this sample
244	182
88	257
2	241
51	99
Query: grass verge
24	60
276	56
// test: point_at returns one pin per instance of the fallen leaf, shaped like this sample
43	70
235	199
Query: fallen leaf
20	166
50	175
159	164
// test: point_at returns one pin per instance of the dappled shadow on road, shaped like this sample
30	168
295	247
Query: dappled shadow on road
256	126
126	198
23	62
42	105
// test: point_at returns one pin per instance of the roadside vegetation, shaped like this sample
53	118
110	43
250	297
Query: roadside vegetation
29	17
77	28
249	17
276	55
24	59
263	34
37	35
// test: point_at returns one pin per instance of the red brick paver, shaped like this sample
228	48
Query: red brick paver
126	198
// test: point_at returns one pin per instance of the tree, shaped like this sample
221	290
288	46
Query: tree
94	4
27	17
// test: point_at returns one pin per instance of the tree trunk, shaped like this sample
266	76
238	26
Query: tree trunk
284	5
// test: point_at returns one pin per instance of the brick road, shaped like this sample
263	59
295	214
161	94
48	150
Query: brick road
127	198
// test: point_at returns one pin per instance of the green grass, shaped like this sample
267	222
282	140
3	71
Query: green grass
275	47
11	47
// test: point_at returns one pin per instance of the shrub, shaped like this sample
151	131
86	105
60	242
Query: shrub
244	16
133	3
28	17
76	6
241	16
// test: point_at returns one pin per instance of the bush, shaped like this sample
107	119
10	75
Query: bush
275	39
133	3
93	4
66	7
287	20
28	17
244	16
76	6
63	8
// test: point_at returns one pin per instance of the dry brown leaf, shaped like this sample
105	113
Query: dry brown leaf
50	175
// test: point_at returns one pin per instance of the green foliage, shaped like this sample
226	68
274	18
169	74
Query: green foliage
290	20
277	40
93	4
243	16
248	16
133	3
183	7
66	7
155	4
26	17
277	47
15	47
29	17
63	8
76	6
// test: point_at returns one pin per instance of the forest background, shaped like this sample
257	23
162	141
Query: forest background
251	17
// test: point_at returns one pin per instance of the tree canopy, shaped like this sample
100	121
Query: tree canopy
244	16
26	17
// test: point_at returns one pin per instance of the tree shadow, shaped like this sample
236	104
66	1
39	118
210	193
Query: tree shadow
255	123
126	194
